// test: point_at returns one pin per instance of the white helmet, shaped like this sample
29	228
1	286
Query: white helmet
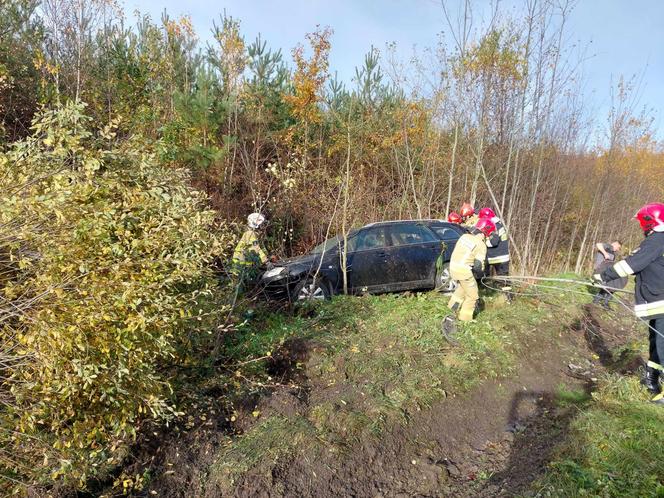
254	220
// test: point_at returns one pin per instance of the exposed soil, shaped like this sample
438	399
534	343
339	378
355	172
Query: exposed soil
493	441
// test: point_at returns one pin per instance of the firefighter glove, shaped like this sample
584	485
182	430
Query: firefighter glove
478	268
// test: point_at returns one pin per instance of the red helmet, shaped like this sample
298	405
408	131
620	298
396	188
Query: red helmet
487	213
466	210
454	217
651	217
486	226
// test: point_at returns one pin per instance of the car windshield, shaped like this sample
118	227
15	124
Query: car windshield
330	244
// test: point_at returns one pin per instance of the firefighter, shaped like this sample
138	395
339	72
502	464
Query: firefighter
498	252
604	258
454	218
468	216
466	263
647	264
249	255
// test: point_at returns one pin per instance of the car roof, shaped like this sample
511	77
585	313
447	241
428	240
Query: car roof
399	222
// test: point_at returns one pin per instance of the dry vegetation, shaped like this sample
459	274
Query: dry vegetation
129	150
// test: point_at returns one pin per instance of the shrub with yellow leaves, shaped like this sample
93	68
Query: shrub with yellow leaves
104	281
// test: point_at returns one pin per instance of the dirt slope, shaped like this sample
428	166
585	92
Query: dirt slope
492	441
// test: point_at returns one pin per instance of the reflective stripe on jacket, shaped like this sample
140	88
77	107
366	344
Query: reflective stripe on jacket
469	247
248	249
499	253
646	262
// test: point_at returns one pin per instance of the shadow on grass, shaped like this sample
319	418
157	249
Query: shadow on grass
537	437
596	334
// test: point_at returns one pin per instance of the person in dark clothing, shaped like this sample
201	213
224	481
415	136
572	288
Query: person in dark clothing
498	252
646	262
604	258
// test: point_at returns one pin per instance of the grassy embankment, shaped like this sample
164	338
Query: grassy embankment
614	444
614	447
382	358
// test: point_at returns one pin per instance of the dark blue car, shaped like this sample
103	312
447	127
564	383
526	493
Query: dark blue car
380	257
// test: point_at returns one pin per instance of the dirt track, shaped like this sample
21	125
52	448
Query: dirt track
492	441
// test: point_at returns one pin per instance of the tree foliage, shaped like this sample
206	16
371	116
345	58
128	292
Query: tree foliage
105	281
20	51
107	208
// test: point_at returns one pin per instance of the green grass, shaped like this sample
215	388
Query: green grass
386	357
615	446
566	398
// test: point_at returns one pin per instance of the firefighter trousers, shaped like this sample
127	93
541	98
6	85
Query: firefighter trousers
498	270
466	296
656	357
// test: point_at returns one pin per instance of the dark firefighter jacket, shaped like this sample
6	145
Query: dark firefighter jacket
499	248
647	263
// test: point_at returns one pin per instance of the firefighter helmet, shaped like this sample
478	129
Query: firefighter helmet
487	213
254	220
651	217
466	210
454	217
486	226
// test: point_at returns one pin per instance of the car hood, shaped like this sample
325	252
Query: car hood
306	260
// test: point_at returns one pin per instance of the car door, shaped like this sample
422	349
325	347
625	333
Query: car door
449	234
413	253
368	260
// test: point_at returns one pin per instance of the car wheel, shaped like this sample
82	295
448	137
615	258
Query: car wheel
311	289
444	281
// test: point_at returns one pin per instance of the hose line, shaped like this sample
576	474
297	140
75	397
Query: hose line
564	280
524	279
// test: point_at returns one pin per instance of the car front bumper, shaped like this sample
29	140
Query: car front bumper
279	287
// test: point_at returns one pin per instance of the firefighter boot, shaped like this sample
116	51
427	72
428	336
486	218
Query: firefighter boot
606	301
651	381
449	328
658	400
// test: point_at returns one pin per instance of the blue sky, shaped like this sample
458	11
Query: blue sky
624	37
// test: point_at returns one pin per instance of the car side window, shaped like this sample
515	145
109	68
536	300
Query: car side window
351	244
371	238
447	233
405	234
